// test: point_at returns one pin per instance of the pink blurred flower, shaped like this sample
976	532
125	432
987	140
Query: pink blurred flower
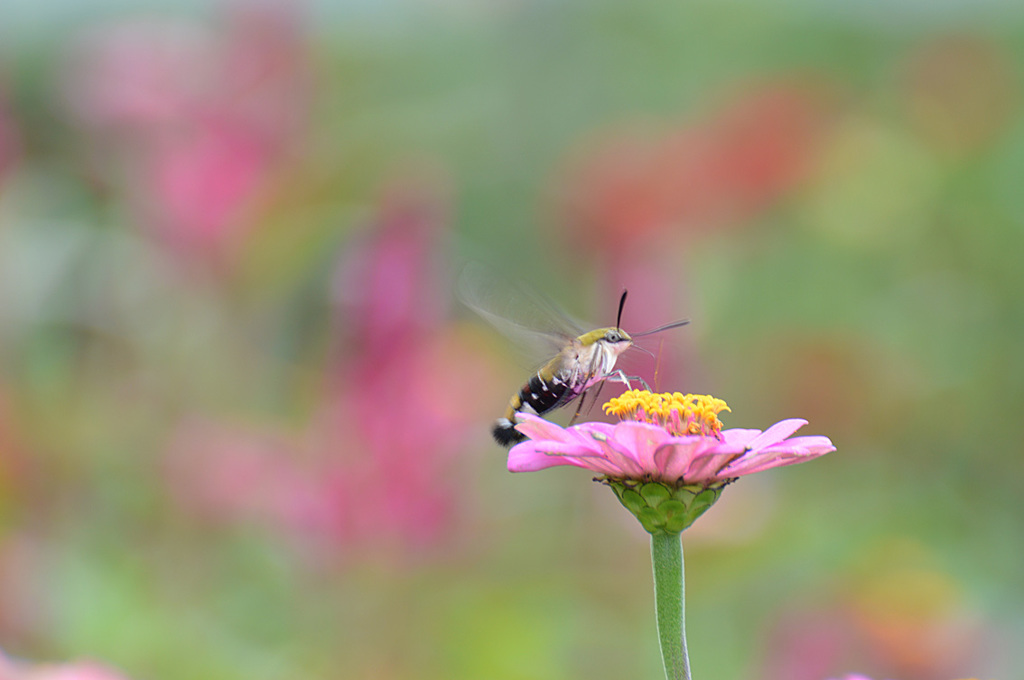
229	473
642	181
351	477
913	619
389	281
196	121
399	353
79	670
682	447
899	615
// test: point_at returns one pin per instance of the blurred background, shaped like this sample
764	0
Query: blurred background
244	420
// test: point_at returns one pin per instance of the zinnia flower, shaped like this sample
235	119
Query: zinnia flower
668	459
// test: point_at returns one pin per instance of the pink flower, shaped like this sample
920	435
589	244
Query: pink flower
349	479
675	452
227	473
80	670
669	459
192	125
397	350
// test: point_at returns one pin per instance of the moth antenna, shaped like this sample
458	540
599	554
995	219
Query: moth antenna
674	324
622	303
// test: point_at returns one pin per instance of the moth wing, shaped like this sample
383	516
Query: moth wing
535	324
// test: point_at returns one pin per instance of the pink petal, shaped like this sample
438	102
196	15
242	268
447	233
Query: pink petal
776	433
530	456
773	457
739	437
639	441
759	463
677	457
709	465
538	429
673	458
588	429
592	434
811	444
604	466
600	436
620	456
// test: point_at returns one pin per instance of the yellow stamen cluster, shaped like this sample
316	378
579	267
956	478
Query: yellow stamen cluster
680	414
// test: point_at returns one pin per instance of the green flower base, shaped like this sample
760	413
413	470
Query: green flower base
664	508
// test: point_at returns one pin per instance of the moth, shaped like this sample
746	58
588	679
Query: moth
581	361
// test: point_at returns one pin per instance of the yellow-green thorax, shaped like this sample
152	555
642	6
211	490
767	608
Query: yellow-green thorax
609	336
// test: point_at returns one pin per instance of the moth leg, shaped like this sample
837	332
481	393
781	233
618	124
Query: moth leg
579	407
597	394
625	379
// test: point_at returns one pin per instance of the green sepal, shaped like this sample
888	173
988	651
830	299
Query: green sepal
633	501
662	507
655	494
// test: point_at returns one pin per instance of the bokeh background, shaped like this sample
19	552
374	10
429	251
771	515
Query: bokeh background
243	418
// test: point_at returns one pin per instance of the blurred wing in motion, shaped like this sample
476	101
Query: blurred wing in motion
536	325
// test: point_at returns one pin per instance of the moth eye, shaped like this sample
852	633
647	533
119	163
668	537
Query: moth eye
612	336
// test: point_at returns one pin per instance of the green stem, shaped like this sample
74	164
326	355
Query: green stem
669	594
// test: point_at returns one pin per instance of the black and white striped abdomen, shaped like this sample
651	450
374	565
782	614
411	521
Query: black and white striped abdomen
538	396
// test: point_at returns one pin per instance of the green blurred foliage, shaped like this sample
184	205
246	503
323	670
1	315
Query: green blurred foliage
879	294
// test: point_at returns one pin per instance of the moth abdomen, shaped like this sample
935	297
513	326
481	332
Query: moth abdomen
538	396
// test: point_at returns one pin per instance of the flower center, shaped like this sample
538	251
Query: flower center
678	413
